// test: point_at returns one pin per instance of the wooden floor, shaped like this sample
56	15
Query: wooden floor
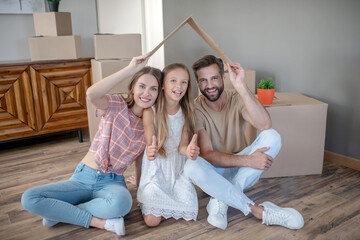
330	203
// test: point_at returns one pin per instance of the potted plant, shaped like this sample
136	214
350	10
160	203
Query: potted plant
53	5
266	91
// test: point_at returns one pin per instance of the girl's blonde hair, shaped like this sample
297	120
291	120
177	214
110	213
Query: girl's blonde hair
129	99
161	125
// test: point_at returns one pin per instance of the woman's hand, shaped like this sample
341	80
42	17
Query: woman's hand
132	180
139	62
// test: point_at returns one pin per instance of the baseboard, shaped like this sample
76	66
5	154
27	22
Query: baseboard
342	160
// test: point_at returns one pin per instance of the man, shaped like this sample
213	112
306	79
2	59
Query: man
231	166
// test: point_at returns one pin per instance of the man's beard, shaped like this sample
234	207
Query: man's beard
213	98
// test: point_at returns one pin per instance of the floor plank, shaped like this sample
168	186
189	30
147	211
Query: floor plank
329	202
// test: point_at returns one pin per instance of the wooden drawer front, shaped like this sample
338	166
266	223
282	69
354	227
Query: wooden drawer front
43	98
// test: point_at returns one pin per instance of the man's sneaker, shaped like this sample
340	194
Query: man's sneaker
286	217
217	211
115	225
49	223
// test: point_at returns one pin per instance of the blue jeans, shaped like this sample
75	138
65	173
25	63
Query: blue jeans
228	184
103	195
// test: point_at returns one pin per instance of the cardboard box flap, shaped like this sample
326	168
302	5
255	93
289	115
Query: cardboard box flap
292	99
202	34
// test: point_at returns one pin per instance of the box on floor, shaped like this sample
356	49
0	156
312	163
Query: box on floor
301	122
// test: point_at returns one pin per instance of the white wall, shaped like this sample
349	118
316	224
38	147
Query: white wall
120	16
135	16
17	28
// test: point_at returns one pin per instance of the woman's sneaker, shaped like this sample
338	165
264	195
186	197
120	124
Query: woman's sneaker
286	217
115	225
217	211
49	223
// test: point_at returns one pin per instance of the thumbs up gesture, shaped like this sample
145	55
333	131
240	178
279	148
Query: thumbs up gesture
152	150
192	150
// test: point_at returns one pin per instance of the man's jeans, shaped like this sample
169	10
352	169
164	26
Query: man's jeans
228	184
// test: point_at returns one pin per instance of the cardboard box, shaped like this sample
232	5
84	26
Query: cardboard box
100	70
301	122
55	48
52	24
117	46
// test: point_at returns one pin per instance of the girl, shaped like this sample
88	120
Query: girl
97	187
163	191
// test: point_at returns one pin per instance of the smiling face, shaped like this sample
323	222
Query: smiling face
145	91
176	83
210	82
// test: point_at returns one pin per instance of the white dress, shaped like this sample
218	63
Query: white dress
163	190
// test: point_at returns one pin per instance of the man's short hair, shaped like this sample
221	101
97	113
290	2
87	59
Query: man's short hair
206	61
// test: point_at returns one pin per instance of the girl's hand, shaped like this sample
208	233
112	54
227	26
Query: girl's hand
152	150
193	151
132	180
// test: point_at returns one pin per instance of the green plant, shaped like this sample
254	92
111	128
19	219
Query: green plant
266	84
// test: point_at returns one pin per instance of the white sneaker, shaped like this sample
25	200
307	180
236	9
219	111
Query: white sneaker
48	223
286	217
217	211
115	225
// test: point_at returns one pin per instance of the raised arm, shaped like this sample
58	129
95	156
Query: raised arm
96	93
254	112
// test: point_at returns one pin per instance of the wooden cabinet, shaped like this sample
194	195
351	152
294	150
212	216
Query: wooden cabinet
43	97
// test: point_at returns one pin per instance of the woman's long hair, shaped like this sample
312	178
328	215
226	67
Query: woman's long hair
161	124
129	99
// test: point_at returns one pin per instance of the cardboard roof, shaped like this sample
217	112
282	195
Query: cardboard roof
201	33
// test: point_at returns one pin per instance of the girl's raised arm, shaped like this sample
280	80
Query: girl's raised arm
96	93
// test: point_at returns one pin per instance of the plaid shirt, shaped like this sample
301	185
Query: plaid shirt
119	139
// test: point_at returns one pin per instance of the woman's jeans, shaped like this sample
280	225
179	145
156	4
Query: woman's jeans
98	194
228	184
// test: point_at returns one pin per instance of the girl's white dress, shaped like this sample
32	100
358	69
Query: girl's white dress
163	190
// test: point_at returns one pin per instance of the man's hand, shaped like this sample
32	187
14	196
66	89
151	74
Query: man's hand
193	151
152	150
236	75
260	160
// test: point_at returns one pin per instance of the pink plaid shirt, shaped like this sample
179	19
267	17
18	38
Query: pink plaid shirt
120	137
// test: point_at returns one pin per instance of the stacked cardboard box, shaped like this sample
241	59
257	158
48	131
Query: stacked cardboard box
112	53
53	37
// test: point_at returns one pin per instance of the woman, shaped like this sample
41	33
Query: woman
96	194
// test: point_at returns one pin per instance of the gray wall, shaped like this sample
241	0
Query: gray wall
17	28
311	47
